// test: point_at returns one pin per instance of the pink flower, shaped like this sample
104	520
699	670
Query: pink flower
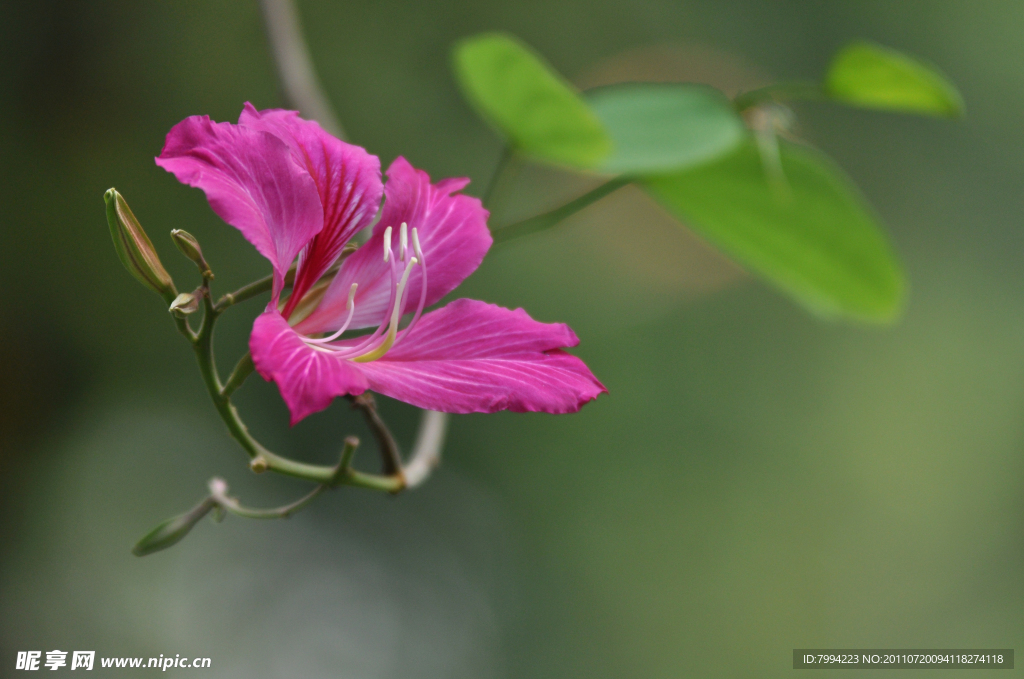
295	191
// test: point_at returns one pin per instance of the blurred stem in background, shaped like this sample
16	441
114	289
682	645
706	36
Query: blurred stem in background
300	86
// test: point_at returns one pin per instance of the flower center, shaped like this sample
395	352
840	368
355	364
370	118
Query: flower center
385	336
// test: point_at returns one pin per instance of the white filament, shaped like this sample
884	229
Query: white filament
363	352
351	306
396	313
423	285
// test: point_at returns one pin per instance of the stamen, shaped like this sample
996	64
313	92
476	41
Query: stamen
396	315
363	353
423	286
351	306
368	341
416	245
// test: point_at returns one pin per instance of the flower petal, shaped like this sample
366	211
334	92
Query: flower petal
453	234
472	357
347	179
251	181
307	378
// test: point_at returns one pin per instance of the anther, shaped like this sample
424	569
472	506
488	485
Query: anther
403	240
416	243
387	244
423	282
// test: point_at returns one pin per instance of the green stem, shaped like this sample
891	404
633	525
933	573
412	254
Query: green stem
262	459
499	169
345	463
326	475
778	91
391	460
549	219
244	293
242	370
342	472
232	505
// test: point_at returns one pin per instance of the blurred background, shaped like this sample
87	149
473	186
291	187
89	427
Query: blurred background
756	480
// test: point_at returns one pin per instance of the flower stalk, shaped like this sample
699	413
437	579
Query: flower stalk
547	220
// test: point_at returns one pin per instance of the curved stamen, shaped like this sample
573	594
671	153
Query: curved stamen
351	312
423	286
362	352
396	315
346	352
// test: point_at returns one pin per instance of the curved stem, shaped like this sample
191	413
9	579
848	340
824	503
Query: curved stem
245	292
549	219
426	452
391	460
503	160
242	370
262	459
218	493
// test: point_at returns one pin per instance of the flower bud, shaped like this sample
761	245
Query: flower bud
134	248
189	247
172	530
184	304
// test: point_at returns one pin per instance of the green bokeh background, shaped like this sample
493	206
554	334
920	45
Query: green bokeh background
756	480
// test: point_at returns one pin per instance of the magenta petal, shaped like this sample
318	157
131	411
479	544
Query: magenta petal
347	179
473	357
307	378
453	234
251	181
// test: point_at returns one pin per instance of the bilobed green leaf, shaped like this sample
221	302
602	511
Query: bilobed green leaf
536	109
659	127
811	235
869	75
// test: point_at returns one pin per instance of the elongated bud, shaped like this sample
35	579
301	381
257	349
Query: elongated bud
184	304
134	248
172	530
189	247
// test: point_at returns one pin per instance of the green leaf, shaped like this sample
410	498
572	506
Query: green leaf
808	232
659	127
869	75
537	110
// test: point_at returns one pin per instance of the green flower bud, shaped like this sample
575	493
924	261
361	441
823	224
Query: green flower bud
172	530
184	304
189	247
134	248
